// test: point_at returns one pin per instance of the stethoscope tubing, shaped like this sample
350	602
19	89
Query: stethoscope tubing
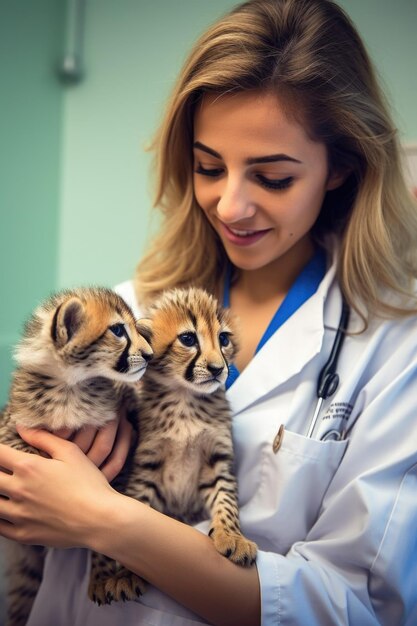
328	379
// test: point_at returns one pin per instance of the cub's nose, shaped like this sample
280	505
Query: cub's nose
215	369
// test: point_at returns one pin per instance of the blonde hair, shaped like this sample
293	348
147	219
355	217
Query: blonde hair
309	53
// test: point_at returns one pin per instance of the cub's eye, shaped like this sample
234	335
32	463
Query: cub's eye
188	339
118	330
224	339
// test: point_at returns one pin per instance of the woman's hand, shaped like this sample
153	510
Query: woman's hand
106	447
57	501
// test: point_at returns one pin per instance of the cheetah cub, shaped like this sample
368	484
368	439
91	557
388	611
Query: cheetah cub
183	464
80	353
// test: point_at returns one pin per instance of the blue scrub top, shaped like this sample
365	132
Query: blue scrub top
304	286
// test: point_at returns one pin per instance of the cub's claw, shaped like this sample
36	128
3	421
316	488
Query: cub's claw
121	587
234	546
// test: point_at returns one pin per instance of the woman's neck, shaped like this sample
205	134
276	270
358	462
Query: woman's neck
256	295
275	279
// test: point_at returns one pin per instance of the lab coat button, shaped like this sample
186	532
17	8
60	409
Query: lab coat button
278	439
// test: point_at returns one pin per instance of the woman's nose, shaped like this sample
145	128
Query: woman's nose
235	202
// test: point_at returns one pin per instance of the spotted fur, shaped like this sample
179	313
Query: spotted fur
183	465
79	358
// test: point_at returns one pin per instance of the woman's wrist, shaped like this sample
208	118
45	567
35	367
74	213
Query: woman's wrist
105	533
177	559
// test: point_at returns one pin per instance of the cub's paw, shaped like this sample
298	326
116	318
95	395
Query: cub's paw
97	592
234	546
123	585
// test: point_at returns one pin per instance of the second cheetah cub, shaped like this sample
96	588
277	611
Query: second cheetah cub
183	465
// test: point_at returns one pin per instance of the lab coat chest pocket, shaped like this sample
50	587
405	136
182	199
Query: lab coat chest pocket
292	484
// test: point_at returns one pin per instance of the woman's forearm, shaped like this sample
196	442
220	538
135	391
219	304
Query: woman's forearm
65	501
180	561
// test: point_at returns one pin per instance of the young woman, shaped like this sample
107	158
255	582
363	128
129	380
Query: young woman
282	191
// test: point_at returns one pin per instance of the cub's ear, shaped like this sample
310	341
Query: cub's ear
144	327
67	320
233	326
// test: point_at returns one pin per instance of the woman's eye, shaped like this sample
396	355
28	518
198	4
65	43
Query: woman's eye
275	183
188	339
118	330
224	340
208	171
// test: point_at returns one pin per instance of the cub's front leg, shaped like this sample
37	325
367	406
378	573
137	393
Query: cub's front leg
24	564
111	581
218	488
23	577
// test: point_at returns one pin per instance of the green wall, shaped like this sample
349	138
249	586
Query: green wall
133	51
30	134
76	184
389	29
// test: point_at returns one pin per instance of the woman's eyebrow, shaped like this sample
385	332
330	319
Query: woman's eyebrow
201	146
270	158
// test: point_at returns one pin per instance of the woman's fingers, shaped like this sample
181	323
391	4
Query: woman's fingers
84	439
4	482
6	508
64	433
54	446
117	458
107	447
53	501
102	443
7	529
8	457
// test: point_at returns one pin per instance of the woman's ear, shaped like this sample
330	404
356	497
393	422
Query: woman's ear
336	179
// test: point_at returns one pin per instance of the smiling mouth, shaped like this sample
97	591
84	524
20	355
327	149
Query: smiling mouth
243	233
242	236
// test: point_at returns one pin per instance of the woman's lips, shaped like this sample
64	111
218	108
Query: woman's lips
243	237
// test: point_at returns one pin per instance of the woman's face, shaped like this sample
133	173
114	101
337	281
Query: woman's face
258	177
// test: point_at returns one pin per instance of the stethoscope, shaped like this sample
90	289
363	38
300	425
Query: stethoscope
328	379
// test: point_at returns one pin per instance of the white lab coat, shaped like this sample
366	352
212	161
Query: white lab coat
335	521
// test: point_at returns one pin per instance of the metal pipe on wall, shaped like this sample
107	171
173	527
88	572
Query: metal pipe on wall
71	70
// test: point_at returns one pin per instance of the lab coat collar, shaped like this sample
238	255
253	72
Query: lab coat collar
288	350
